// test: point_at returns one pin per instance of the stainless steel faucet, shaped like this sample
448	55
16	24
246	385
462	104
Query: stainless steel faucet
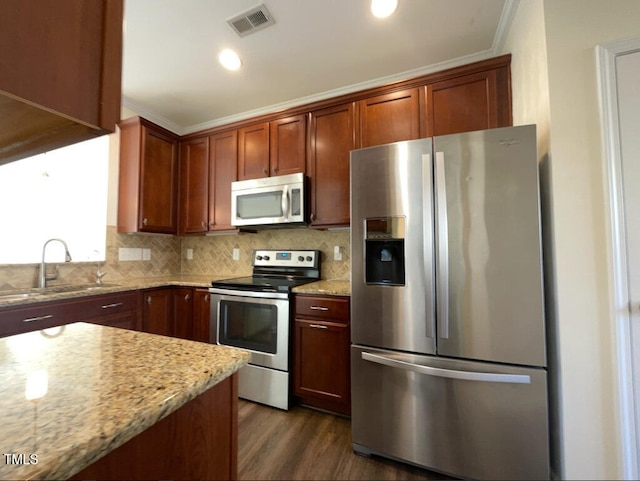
44	277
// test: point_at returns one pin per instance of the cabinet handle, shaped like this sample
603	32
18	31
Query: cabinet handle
265	171
148	299
318	326
312	217
187	297
115	304
204	224
206	298
145	221
39	318
275	170
319	308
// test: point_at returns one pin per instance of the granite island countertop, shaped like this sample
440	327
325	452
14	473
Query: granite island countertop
71	394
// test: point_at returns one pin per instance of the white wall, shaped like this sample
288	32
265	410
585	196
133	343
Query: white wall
579	255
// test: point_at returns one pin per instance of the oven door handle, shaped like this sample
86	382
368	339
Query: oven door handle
248	294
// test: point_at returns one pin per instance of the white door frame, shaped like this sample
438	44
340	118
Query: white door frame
608	96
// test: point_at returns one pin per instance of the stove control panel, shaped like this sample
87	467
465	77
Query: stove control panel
281	258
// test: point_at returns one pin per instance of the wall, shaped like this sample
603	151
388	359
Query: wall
577	209
530	99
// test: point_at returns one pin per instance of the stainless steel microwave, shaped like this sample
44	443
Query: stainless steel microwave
277	201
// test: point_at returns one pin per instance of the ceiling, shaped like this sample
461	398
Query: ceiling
316	49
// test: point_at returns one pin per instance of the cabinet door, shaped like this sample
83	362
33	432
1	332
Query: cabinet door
472	102
201	315
390	118
194	186
288	145
182	312
157	311
158	183
322	363
223	154
332	136
253	151
60	80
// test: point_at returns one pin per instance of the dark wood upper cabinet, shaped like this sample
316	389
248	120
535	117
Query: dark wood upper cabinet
470	102
332	136
194	186
60	80
272	148
390	118
207	168
148	185
223	155
253	151
288	145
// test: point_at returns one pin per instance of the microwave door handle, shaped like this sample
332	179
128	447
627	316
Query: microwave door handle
285	202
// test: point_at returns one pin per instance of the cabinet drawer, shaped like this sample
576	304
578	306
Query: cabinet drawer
334	308
42	316
104	305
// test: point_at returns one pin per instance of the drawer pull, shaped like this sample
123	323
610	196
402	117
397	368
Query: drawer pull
318	326
39	318
318	308
115	304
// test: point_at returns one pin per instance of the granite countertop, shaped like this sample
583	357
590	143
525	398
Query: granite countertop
57	292
72	394
326	287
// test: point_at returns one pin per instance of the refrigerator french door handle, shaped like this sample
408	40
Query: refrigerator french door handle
447	373
427	233
442	287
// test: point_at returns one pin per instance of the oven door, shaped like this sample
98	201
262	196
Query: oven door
254	321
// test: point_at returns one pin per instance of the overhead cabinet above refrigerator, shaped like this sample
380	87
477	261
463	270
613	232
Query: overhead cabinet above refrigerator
447	309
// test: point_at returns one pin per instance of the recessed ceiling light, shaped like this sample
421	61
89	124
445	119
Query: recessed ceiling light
383	8
229	59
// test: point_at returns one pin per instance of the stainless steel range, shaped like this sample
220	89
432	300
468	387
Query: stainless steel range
254	313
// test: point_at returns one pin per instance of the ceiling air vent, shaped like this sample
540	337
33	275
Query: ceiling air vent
251	21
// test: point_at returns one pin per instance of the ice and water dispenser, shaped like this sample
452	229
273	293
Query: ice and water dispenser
384	251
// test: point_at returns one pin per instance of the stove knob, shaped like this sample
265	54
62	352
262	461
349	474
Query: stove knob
259	258
266	258
309	258
300	258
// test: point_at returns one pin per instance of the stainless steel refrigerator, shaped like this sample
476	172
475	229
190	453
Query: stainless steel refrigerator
448	361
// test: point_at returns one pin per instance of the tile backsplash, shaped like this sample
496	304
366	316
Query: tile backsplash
211	255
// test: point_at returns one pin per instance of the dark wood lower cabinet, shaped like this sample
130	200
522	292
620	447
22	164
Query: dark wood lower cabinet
116	310
321	353
197	441
201	315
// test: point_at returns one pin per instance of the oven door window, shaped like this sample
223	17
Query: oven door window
249	326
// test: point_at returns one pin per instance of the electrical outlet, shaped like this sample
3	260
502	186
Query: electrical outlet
337	253
189	254
236	254
129	254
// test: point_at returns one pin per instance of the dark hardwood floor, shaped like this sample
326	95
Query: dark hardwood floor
305	444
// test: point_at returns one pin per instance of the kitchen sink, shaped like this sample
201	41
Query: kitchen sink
39	292
75	288
20	295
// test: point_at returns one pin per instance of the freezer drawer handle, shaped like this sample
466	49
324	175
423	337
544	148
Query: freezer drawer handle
448	373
